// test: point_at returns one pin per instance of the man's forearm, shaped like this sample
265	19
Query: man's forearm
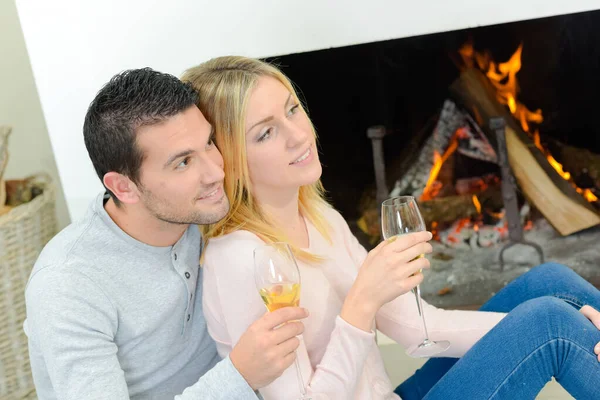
222	382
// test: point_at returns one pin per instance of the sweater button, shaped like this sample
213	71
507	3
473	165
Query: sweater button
187	275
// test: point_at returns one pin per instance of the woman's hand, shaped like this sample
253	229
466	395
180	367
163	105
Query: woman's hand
390	270
593	315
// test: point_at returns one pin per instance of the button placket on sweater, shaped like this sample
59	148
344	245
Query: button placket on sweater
180	265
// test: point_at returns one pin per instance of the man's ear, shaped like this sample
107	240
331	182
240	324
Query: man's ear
123	188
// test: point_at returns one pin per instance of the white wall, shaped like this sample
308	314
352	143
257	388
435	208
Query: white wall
29	145
76	46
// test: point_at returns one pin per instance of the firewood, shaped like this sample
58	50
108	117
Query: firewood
444	210
554	197
413	181
582	164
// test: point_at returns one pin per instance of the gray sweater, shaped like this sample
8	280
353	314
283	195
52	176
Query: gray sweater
109	317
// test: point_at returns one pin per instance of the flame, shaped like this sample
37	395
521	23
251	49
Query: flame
435	170
477	204
503	77
462	224
496	215
434	230
587	194
558	167
429	192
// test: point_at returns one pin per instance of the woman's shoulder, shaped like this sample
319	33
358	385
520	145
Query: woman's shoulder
232	246
326	210
234	237
334	218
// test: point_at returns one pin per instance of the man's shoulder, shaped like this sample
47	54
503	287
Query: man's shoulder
73	254
68	245
66	271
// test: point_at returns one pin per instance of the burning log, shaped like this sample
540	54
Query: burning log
442	211
582	164
555	197
415	179
445	210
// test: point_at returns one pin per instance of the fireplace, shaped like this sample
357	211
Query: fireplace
428	102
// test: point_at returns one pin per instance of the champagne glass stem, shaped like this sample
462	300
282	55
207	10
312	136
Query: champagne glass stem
417	293
300	380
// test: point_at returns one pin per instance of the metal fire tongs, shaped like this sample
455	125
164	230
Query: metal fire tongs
509	194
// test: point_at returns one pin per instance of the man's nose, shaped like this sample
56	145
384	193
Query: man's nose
212	169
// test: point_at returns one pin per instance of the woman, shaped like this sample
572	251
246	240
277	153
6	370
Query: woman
272	181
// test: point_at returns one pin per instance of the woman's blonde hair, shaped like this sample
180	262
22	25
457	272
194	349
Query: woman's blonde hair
224	85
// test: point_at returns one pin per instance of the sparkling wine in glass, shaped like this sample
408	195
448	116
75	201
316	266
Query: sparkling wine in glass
278	282
399	216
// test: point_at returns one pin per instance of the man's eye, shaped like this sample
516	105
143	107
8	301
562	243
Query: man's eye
184	163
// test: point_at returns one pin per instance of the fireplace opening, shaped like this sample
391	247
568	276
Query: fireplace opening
433	97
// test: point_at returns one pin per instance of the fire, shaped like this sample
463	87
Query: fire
504	78
430	192
435	170
587	194
477	204
528	225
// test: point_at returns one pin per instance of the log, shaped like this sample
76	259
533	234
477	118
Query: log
555	198
445	210
414	180
582	164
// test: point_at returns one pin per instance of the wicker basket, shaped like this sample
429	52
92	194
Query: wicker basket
23	233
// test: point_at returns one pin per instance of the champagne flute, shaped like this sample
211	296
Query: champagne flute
399	216
278	281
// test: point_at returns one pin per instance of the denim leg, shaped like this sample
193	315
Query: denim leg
421	382
550	279
539	339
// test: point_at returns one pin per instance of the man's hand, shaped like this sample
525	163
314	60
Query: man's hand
267	349
593	315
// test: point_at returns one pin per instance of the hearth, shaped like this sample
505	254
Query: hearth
412	116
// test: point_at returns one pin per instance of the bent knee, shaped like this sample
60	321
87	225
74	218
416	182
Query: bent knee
546	308
552	269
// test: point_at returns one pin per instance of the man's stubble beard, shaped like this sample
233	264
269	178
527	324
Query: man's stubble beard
160	210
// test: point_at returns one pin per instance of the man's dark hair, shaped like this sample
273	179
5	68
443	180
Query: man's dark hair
131	99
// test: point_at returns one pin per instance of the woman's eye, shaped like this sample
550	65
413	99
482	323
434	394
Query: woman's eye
265	135
211	141
294	109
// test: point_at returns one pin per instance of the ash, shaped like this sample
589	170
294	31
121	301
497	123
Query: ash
468	277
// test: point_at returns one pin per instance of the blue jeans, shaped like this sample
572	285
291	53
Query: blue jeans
543	336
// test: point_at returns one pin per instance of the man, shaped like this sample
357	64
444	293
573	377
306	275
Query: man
114	308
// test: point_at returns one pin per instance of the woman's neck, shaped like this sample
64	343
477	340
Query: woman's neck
285	212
